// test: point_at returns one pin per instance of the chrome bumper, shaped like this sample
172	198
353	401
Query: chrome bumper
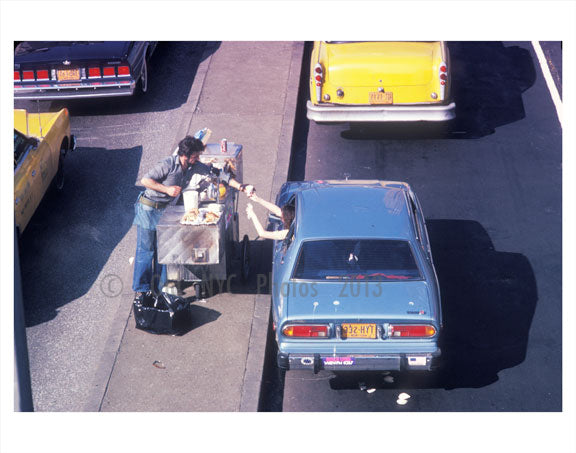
338	113
358	362
72	92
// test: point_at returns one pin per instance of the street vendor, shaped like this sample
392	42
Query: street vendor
164	184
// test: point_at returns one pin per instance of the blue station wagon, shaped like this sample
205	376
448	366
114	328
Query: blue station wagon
353	283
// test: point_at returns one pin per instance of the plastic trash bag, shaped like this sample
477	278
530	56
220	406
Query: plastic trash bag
162	314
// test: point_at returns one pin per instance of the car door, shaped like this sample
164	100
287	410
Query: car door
27	179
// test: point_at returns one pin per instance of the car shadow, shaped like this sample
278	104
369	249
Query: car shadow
169	84
62	259
488	80
488	300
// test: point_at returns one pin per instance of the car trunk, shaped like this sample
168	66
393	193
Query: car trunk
407	70
356	300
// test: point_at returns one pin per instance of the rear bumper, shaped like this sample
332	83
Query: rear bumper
339	113
80	90
358	362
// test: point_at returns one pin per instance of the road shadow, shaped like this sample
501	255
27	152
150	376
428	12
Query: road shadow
169	84
60	259
488	80
488	299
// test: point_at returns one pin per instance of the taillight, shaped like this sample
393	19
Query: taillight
27	75
123	71
443	76
94	73
411	331
318	80
306	330
42	74
109	71
17	76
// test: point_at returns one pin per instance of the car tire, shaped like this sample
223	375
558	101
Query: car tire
59	177
143	80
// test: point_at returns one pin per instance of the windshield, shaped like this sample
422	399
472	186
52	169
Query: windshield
366	259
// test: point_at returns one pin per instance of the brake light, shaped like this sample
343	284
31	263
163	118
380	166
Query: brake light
42	74
109	71
318	80
443	76
306	331
17	76
123	70
411	331
27	75
94	73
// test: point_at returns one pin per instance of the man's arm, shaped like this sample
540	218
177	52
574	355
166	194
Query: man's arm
172	191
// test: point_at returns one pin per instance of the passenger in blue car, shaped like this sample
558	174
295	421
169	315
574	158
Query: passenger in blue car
286	214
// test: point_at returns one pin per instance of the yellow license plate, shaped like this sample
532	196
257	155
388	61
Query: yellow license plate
358	330
377	97
69	74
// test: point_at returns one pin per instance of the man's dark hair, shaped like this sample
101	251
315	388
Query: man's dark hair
190	145
288	213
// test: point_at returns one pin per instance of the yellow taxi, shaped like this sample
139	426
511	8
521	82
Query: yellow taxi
380	81
41	141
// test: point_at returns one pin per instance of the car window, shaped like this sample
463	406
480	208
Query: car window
21	146
366	259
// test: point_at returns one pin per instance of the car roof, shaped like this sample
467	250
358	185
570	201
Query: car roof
354	210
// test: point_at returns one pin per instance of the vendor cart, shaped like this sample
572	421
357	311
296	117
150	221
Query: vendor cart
206	248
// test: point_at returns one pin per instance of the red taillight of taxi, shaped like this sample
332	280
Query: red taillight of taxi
306	331
42	74
94	73
123	71
17	76
411	331
27	75
443	73
318	80
109	71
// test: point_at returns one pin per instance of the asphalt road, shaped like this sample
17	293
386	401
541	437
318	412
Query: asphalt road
75	251
490	185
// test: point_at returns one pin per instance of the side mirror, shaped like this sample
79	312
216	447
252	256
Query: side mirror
273	221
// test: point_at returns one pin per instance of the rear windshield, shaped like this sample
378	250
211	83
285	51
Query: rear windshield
367	259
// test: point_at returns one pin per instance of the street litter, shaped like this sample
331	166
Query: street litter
372	390
404	396
131	260
363	386
401	402
158	364
389	379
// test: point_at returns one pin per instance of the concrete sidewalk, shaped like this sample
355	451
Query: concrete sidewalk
247	93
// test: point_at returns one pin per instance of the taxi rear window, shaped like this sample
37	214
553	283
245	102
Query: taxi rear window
366	259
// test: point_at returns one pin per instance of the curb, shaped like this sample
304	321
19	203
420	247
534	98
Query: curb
252	383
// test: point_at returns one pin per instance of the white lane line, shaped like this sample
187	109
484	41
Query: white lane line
549	80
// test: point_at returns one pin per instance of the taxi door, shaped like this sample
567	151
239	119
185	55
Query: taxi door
28	184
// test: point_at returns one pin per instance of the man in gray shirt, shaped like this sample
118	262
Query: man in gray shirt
163	183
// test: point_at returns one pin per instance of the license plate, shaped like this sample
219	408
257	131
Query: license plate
377	97
358	330
69	74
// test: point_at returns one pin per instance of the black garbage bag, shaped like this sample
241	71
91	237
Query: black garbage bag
163	314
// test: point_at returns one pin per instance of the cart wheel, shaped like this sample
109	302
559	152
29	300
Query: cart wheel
245	257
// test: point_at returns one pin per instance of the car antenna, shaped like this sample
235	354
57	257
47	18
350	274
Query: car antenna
39	117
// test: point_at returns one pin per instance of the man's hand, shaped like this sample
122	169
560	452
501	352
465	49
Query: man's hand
173	191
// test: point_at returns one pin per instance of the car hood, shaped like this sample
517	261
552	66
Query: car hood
358	300
58	51
381	64
35	124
